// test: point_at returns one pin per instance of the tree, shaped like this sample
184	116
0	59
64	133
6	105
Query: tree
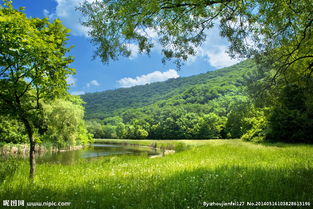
33	68
238	111
189	125
121	130
109	131
64	122
211	126
95	128
291	118
140	130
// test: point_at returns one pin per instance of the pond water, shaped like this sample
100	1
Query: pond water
94	151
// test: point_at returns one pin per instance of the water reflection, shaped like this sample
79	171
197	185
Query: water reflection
96	150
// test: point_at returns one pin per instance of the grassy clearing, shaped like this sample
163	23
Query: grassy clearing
208	171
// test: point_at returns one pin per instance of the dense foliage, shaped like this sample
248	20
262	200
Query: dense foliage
12	130
33	72
64	122
210	105
62	125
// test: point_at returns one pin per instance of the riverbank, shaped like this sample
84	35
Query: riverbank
22	150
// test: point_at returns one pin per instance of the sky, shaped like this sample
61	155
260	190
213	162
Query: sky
138	69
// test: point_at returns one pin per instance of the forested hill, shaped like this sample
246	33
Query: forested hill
194	89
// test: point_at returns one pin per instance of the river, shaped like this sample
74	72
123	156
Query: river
94	151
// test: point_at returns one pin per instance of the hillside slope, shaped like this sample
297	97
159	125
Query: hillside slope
199	89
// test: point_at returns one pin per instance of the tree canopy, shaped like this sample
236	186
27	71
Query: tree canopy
256	27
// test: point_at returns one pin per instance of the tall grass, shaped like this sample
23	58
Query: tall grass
208	171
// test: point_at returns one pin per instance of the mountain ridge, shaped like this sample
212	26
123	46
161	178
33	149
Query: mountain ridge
108	103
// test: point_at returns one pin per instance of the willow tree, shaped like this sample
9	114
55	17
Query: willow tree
33	68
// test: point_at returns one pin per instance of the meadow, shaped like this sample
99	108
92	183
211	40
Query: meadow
204	171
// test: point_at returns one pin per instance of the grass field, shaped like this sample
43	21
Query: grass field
208	171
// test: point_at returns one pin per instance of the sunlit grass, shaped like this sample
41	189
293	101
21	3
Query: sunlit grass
208	171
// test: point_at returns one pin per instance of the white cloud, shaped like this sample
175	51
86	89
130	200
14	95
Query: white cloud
71	80
66	11
150	33
148	78
78	92
214	50
134	50
46	12
219	58
92	83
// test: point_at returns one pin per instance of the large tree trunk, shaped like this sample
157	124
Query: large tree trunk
32	160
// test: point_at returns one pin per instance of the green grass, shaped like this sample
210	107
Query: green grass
215	170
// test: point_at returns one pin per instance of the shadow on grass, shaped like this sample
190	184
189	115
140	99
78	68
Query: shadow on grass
282	144
184	189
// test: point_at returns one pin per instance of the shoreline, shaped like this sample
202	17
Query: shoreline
22	150
163	151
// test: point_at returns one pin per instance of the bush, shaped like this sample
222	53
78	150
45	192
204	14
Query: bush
12	131
179	147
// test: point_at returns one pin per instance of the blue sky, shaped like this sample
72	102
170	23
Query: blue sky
92	75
